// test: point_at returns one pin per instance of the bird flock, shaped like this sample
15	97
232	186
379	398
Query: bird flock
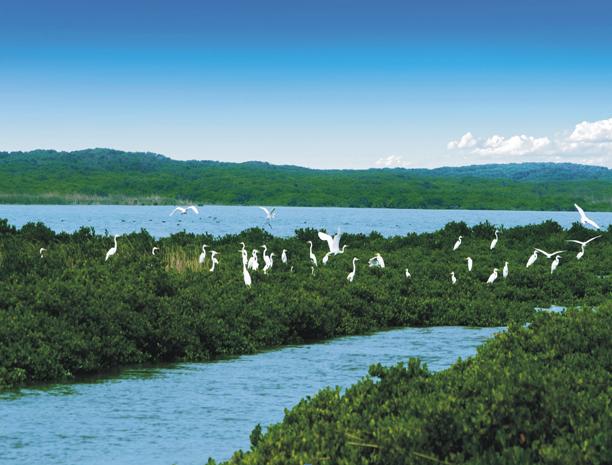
251	263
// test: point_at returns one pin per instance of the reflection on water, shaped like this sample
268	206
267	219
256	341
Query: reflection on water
185	413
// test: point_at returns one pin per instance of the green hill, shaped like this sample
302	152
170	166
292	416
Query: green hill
111	176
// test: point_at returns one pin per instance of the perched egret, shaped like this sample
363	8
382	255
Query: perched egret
42	252
554	264
243	246
493	276
532	259
326	258
582	245
458	243
202	257
550	255
585	219
253	263
284	256
245	257
155	249
453	278
245	274
408	275
264	255
184	210
269	263
312	256
113	250
470	263
376	261
494	241
505	270
213	260
351	275
333	242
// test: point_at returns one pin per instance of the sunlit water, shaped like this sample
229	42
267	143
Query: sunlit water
221	220
187	412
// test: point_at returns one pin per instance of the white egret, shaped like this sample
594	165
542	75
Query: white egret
554	264
493	276
253	263
264	255
585	219
213	260
408	275
351	275
376	261
312	256
284	256
246	275
326	258
550	255
202	257
113	250
453	278
243	246
458	243
184	210
494	241
269	263
532	259
582	245
333	242
245	257
470	263
42	252
270	215
155	249
342	249
505	270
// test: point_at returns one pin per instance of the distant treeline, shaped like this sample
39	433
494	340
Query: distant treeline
110	176
70	313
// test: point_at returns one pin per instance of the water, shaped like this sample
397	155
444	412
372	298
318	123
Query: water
187	412
222	220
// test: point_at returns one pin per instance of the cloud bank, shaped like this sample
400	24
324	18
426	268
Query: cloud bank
392	161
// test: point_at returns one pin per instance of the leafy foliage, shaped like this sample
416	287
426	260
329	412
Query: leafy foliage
110	176
70	313
537	394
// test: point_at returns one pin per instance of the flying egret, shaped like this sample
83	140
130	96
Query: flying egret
458	243
351	275
408	275
155	249
284	256
554	264
585	219
42	252
113	250
550	255
245	274
470	263
342	249
494	241
376	261
184	210
270	215
532	259
213	260
312	256
493	276
505	270
333	242
326	258
453	278
202	257
582	245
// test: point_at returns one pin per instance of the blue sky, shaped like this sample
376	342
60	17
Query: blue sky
326	84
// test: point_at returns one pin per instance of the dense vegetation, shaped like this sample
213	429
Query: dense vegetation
109	176
534	395
70	313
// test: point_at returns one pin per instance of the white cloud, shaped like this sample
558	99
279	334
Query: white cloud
597	131
392	161
467	140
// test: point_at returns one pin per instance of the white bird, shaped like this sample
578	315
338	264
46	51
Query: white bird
202	257
243	246
585	219
245	257
253	263
470	263
505	270
458	243
554	264
333	242
213	260
377	261
269	263
550	255
326	258
582	245
532	259
342	249
494	241
264	255
408	275
113	250
270	215
42	252
312	256
155	249
351	275
284	256
184	210
246	275
453	278
493	276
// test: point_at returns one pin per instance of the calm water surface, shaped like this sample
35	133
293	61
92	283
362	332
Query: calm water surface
186	413
222	220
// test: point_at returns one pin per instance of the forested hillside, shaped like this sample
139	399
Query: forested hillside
110	176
